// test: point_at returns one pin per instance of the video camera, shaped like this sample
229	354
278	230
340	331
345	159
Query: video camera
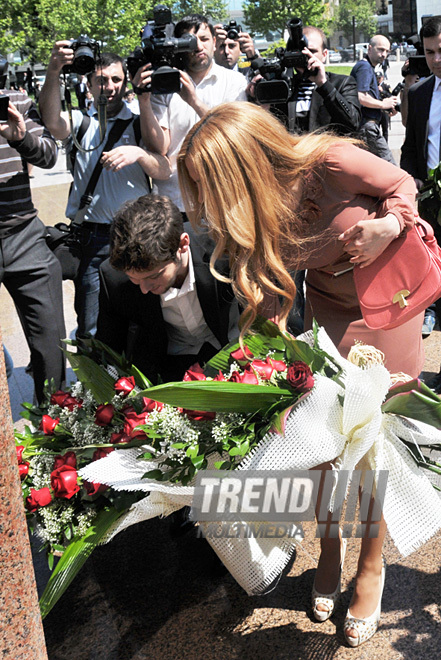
86	54
417	63
386	93
232	30
159	48
276	86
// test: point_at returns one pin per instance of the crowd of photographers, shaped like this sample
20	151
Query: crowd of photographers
120	146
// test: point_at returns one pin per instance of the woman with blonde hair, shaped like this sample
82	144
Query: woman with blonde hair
277	202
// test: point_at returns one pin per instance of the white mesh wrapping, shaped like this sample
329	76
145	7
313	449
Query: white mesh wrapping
330	422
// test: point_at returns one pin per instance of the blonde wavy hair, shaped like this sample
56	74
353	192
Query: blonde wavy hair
250	171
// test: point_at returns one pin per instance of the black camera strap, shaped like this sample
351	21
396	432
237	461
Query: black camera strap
115	133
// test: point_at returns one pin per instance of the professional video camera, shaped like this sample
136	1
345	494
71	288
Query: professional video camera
417	63
276	86
86	54
232	30
159	48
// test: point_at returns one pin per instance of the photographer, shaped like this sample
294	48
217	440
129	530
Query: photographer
369	96
229	48
126	165
319	99
29	270
204	85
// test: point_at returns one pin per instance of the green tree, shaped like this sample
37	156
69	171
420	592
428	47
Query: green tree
263	16
216	10
32	26
365	23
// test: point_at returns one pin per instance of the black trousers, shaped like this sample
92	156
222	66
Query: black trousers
32	276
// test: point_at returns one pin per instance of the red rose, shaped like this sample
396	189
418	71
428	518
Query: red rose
248	377
104	414
47	424
58	397
65	400
150	405
70	402
64	482
102	452
300	376
23	468
119	438
69	458
37	498
239	356
124	385
263	368
278	365
94	488
195	373
220	376
132	419
199	415
19	452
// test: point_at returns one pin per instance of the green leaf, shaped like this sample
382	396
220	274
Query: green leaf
416	405
153	474
198	461
220	396
94	377
74	557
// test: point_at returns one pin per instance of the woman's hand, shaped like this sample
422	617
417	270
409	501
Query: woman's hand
366	240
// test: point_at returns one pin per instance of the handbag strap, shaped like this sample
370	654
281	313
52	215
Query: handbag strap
115	133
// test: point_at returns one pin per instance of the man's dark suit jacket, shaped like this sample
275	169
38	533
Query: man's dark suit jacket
414	149
122	304
335	105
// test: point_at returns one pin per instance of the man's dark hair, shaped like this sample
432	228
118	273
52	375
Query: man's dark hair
431	28
145	232
105	60
192	21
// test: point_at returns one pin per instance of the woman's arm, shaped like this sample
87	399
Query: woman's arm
361	173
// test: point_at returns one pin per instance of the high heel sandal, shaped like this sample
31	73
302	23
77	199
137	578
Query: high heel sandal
366	628
329	600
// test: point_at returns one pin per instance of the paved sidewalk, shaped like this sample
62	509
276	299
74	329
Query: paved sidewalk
146	596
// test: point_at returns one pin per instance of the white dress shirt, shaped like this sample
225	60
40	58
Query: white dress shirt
434	127
187	329
220	85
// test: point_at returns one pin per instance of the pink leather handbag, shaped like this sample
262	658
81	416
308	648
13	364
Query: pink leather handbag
402	281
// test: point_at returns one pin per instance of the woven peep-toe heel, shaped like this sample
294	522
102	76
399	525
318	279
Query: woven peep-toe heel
365	628
328	600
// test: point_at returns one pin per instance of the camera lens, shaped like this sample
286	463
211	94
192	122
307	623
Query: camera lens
84	61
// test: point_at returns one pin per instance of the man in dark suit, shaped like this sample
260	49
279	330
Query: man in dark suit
421	149
320	99
158	279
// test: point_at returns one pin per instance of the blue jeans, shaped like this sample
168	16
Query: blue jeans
95	249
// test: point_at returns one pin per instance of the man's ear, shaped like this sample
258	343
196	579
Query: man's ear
184	242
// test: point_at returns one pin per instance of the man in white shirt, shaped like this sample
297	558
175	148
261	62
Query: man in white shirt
204	85
159	302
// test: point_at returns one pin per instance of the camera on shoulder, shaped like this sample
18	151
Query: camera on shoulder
159	48
276	84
